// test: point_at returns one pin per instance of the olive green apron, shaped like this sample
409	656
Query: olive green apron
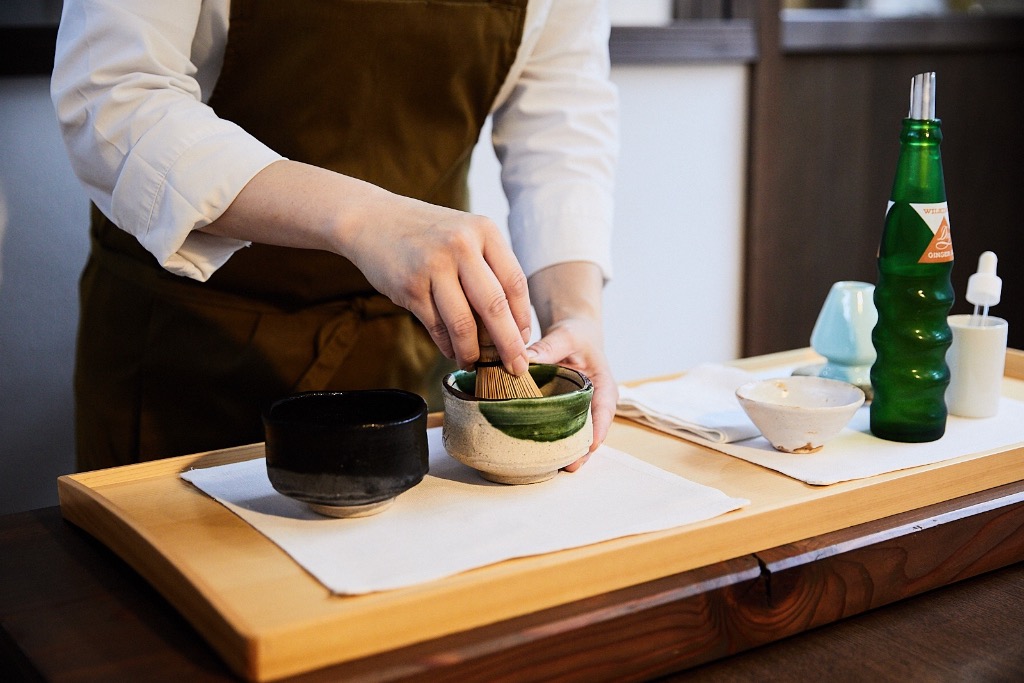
394	92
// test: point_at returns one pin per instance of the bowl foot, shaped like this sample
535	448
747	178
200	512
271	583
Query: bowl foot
513	479
801	450
346	511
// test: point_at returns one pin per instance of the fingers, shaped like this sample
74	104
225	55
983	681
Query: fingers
513	282
602	412
602	407
562	346
488	298
455	326
474	279
553	347
578	464
495	287
444	266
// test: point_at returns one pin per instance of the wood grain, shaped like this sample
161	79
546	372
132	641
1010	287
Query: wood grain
70	610
821	580
269	619
684	621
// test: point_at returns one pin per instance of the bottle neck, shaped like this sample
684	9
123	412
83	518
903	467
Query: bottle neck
921	132
919	177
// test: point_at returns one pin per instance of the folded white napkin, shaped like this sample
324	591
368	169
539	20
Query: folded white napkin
701	402
855	453
454	520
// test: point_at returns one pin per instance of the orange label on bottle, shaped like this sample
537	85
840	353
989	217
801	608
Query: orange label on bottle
936	217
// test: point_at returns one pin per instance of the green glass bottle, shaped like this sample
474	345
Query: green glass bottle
913	294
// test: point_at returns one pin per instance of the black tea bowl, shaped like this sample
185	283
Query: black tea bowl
346	453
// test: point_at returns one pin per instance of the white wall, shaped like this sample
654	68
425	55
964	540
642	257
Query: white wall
43	245
674	301
675	297
640	12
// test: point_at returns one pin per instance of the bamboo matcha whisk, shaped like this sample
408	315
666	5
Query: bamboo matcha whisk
493	380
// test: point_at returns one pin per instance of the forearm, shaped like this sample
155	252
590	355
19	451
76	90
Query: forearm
571	290
447	267
291	204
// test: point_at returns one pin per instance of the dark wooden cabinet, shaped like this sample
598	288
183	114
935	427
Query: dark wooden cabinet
829	90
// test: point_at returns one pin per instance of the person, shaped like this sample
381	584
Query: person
280	204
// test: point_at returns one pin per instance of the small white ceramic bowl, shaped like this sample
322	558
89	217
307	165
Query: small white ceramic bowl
799	414
519	440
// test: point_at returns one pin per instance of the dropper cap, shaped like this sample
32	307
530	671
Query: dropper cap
922	96
984	287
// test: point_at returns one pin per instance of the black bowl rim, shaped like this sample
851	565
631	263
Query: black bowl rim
419	413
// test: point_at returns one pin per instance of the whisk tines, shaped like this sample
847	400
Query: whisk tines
494	381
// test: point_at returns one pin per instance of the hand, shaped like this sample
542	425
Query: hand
567	297
452	270
575	343
442	265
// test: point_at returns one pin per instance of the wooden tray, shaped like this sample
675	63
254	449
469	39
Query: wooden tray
268	618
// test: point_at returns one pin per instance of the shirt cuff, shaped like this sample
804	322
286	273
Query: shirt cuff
165	193
558	225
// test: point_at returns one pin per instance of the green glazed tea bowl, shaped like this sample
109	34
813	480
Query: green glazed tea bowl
520	440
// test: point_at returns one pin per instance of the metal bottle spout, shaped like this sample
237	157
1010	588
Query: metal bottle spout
922	96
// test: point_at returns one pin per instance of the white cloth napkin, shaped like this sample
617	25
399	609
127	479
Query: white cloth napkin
855	453
701	402
454	520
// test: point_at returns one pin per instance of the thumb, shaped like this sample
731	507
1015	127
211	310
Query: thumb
551	348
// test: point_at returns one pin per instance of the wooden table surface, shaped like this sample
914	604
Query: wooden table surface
638	607
841	604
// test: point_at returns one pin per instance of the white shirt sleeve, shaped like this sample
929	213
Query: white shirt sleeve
556	135
152	155
130	82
